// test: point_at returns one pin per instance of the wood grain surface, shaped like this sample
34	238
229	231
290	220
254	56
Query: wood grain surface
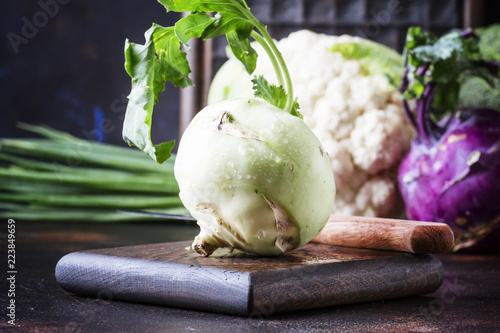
316	275
387	234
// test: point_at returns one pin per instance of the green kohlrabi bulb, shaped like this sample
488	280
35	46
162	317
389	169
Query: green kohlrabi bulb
255	178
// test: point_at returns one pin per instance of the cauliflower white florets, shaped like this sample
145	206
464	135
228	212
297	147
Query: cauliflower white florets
357	117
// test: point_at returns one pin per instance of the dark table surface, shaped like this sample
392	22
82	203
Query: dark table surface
467	301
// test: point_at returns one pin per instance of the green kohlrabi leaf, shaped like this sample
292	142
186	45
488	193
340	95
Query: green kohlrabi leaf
375	58
231	20
192	26
489	42
445	48
273	94
204	5
455	71
477	92
481	87
445	97
416	37
243	51
150	66
160	59
441	61
148	80
171	61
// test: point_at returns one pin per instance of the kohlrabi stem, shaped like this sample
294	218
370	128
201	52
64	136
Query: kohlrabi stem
277	60
288	81
423	110
429	123
409	114
255	35
274	54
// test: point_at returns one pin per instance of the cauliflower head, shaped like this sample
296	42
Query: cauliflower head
347	101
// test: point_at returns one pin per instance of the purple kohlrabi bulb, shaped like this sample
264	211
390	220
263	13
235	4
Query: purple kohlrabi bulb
457	179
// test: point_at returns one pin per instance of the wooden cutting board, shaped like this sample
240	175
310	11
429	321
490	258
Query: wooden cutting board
316	275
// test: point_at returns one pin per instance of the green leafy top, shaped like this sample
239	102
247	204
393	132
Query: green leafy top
453	64
482	89
275	95
445	74
161	59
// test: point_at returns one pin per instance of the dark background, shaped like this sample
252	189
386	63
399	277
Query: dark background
68	72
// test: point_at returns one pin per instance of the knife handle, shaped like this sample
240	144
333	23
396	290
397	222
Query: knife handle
387	234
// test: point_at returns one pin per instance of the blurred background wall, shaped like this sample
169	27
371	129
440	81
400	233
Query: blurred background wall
62	64
61	61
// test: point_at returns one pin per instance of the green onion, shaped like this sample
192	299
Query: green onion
63	178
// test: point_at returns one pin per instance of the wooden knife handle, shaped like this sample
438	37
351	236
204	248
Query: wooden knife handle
387	234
